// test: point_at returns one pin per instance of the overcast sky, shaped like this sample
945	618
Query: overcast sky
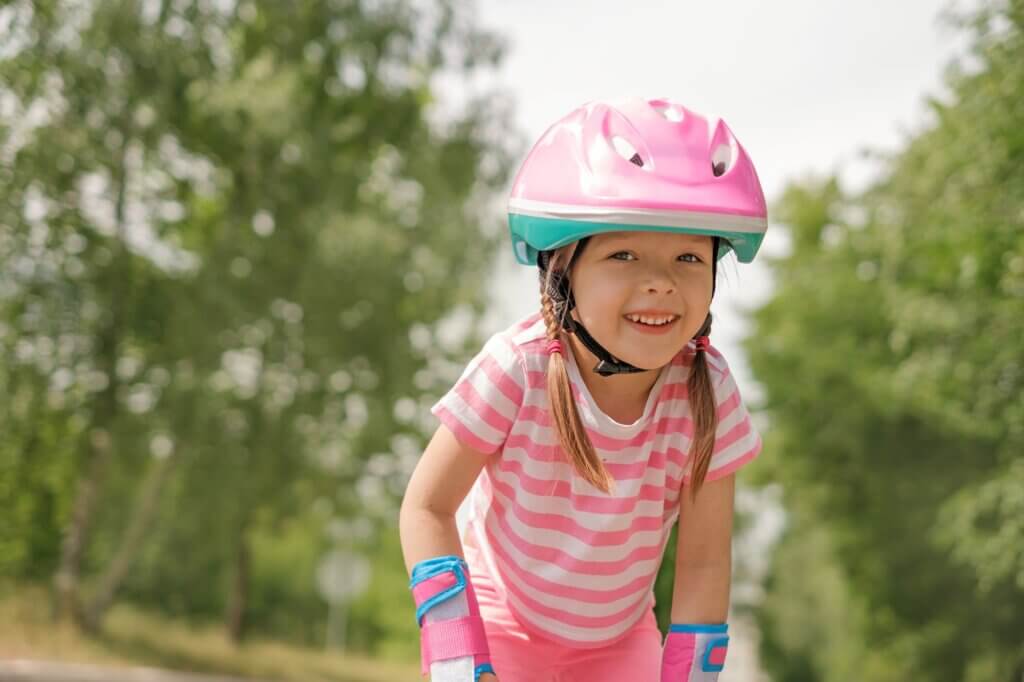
804	85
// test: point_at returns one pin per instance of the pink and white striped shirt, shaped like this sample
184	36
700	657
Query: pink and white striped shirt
574	564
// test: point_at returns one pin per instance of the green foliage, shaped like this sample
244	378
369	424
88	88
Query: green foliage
664	582
34	490
901	309
387	604
251	211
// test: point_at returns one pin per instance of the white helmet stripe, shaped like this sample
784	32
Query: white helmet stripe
637	216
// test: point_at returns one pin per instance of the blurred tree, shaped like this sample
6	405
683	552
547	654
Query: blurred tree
902	310
223	283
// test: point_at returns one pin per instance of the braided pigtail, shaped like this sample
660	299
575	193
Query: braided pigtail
572	435
705	414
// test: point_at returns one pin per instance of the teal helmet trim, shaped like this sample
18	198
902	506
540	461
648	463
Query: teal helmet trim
532	234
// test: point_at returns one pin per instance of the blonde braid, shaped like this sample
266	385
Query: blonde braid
705	415
572	435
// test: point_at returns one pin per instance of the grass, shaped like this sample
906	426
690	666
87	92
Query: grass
134	637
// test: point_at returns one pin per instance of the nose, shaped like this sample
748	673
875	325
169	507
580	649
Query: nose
659	281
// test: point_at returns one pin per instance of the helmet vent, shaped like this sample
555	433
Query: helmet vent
670	112
521	252
627	151
721	160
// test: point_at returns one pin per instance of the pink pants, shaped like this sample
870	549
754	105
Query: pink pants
519	656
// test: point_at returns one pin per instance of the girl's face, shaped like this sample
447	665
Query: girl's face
658	276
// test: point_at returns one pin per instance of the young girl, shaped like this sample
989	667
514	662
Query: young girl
586	429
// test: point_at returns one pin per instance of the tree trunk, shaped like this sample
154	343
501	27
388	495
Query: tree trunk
144	510
98	448
98	445
77	532
238	598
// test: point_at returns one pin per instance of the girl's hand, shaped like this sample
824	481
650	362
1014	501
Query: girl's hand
487	677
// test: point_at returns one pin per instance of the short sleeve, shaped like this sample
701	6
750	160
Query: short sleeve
737	440
483	404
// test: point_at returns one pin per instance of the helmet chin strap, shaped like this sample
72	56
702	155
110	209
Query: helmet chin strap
607	364
561	293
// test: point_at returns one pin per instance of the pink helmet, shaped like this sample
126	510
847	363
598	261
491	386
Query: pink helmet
636	164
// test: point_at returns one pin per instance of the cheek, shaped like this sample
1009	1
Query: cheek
599	299
696	290
603	280
590	312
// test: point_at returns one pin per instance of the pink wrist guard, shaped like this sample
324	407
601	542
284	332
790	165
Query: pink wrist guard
451	630
694	653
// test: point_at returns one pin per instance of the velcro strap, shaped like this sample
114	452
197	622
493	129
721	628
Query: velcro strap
714	654
433	586
435	581
453	638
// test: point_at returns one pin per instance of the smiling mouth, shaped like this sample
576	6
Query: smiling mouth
652	320
656	325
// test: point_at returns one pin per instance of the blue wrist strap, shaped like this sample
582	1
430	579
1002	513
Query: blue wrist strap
706	629
456	567
428	568
711	642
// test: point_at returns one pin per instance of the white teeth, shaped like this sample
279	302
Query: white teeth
655	321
